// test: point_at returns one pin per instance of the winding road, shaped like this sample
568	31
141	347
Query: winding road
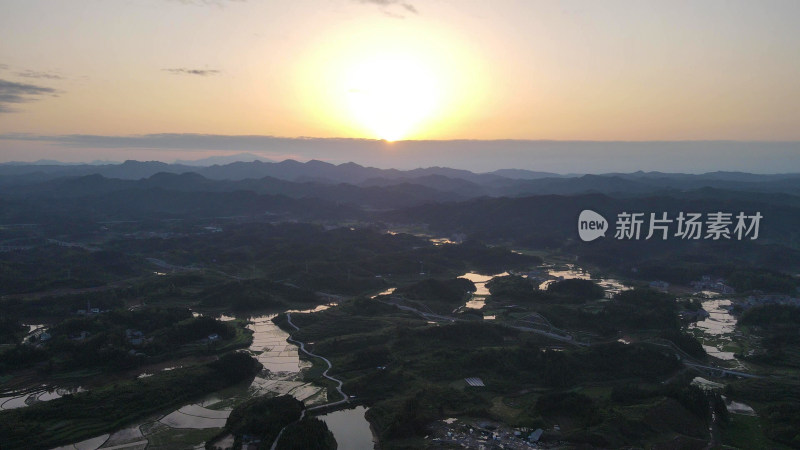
345	397
565	337
302	345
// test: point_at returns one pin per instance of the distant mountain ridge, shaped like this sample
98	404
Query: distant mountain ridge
357	183
225	159
289	169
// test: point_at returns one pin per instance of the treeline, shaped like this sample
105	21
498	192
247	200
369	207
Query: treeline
11	331
55	267
691	397
60	306
631	310
150	290
260	420
777	326
160	203
410	413
441	296
448	352
515	288
307	434
342	260
771	315
246	295
562	303
777	402
685	342
743	278
115	340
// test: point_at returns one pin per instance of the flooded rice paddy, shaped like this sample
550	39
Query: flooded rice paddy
20	399
717	330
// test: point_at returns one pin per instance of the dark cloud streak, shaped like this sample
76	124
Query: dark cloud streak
198	72
385	6
38	74
13	92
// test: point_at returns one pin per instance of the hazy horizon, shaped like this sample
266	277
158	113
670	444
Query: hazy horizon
476	155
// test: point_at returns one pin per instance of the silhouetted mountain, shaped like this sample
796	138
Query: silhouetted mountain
522	174
439	182
580	185
41	162
129	170
221	160
162	204
373	197
506	182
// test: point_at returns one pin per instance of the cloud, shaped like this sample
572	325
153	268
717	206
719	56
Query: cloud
12	92
39	74
389	7
199	72
182	141
3	66
410	8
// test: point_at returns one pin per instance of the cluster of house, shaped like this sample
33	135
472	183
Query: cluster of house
708	283
537	276
134	337
489	435
43	336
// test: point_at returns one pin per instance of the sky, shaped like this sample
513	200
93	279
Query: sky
568	86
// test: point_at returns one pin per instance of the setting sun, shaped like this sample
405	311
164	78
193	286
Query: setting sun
392	95
390	83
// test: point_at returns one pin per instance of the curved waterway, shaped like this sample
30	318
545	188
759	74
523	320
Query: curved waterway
190	425
480	282
611	286
547	273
